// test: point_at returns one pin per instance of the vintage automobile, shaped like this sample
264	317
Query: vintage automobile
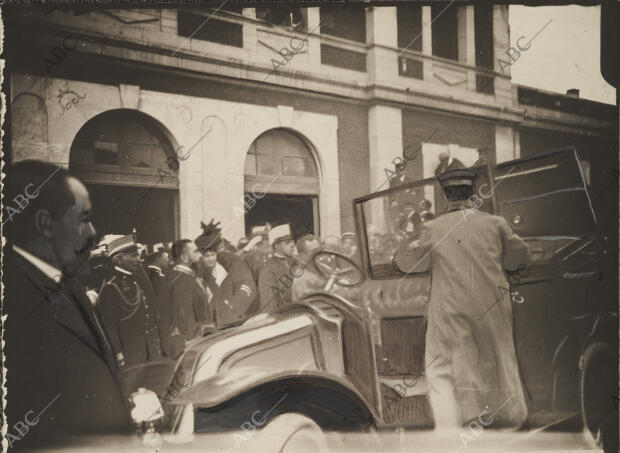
351	356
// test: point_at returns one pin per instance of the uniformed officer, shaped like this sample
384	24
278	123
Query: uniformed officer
124	305
310	280
471	365
276	277
257	252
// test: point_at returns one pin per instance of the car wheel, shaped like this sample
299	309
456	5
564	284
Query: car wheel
291	432
599	395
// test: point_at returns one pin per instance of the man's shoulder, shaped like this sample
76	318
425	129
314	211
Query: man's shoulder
118	281
176	275
155	274
271	265
489	217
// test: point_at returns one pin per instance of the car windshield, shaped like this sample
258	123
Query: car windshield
540	197
395	216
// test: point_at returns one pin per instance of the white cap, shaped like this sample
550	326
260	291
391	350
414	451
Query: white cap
253	243
259	229
279	232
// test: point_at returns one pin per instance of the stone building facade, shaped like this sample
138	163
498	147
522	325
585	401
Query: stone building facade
278	115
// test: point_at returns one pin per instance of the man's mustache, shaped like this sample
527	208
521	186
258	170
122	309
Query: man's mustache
90	244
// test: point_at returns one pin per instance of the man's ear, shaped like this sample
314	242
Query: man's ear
44	222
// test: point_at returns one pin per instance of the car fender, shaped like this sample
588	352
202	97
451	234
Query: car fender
297	342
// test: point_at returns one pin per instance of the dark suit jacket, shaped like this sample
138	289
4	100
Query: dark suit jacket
151	325
56	353
162	307
190	305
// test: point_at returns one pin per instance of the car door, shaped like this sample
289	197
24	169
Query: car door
396	302
545	201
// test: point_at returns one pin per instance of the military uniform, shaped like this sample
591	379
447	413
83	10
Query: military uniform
122	309
191	308
275	282
256	261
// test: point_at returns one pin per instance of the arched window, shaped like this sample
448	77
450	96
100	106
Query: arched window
281	166
123	147
121	156
280	158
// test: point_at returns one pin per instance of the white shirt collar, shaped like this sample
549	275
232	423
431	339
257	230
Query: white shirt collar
183	268
47	269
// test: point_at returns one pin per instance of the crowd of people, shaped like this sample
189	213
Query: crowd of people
154	299
87	314
72	336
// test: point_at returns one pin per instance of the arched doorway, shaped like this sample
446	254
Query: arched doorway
121	157
281	165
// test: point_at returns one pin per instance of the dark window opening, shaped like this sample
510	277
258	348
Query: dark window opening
219	31
411	68
276	209
409	27
348	22
291	17
484	84
342	58
444	30
483	35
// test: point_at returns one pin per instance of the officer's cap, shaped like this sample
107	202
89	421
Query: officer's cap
116	243
458	177
280	233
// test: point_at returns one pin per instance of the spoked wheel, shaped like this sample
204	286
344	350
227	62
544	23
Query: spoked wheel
291	433
599	395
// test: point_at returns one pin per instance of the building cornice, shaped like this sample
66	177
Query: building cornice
253	77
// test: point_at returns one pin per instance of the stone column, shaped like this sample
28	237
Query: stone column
385	137
314	41
467	41
249	30
501	43
427	42
506	143
381	30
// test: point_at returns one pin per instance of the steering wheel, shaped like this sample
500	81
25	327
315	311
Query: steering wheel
337	268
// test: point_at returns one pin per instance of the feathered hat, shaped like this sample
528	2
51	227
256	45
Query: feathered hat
210	238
